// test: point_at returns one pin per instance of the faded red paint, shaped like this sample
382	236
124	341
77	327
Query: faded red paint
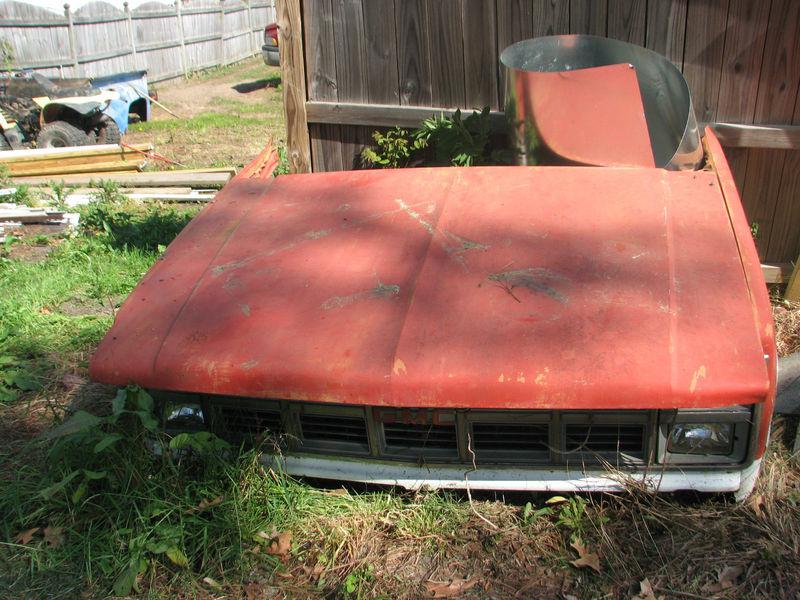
587	116
486	287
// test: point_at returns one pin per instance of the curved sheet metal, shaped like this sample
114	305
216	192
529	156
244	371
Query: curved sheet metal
548	76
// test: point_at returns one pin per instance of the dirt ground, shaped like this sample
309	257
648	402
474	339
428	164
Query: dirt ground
227	116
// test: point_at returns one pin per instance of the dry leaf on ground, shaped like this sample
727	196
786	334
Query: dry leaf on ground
450	589
646	591
585	557
205	504
26	536
281	544
727	579
53	536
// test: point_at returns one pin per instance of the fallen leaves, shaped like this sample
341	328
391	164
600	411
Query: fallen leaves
449	589
646	591
585	557
280	544
206	504
52	536
726	580
26	536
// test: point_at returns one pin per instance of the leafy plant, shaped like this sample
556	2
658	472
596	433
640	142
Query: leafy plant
283	163
58	192
439	141
16	374
395	148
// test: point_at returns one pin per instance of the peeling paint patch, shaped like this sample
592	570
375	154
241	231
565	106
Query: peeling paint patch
521	378
502	378
315	235
249	364
699	374
532	279
465	243
399	367
381	290
245	308
415	215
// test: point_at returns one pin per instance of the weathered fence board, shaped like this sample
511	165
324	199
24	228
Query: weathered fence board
741	59
166	39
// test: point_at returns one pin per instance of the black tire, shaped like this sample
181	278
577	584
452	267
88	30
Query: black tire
108	132
60	134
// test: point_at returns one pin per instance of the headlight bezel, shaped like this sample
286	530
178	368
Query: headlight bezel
738	418
196	417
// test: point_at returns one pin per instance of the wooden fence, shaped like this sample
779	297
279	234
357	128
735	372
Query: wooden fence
168	40
353	65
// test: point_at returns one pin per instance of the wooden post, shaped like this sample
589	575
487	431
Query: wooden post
793	288
73	43
221	32
181	38
290	32
131	33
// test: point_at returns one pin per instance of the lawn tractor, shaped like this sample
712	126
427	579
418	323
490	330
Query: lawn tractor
53	113
592	318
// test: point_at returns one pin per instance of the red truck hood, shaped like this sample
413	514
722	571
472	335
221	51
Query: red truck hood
495	287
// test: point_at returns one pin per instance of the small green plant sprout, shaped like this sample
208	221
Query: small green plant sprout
58	193
357	585
23	196
283	163
394	149
754	230
107	192
5	177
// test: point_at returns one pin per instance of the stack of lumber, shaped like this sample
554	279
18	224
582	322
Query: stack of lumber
13	217
46	162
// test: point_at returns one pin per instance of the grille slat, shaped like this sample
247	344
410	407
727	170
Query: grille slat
419	438
605	438
510	442
250	421
323	429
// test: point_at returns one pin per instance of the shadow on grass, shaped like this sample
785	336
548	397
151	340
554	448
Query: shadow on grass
123	229
272	81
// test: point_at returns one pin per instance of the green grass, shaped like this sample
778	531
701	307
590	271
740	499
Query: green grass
199	123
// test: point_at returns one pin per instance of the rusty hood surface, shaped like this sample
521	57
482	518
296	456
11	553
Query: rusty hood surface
495	287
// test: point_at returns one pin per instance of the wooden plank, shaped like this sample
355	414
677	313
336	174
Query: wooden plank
705	43
446	46
666	29
626	20
550	17
413	53
351	66
514	24
298	146
381	47
380	115
326	154
27	155
588	16
784	241
759	192
777	95
480	53
350	50
153	179
24	170
777	137
777	272
745	37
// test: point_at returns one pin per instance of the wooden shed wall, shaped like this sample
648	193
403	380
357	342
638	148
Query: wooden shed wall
741	59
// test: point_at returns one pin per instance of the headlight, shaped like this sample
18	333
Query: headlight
701	438
184	415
